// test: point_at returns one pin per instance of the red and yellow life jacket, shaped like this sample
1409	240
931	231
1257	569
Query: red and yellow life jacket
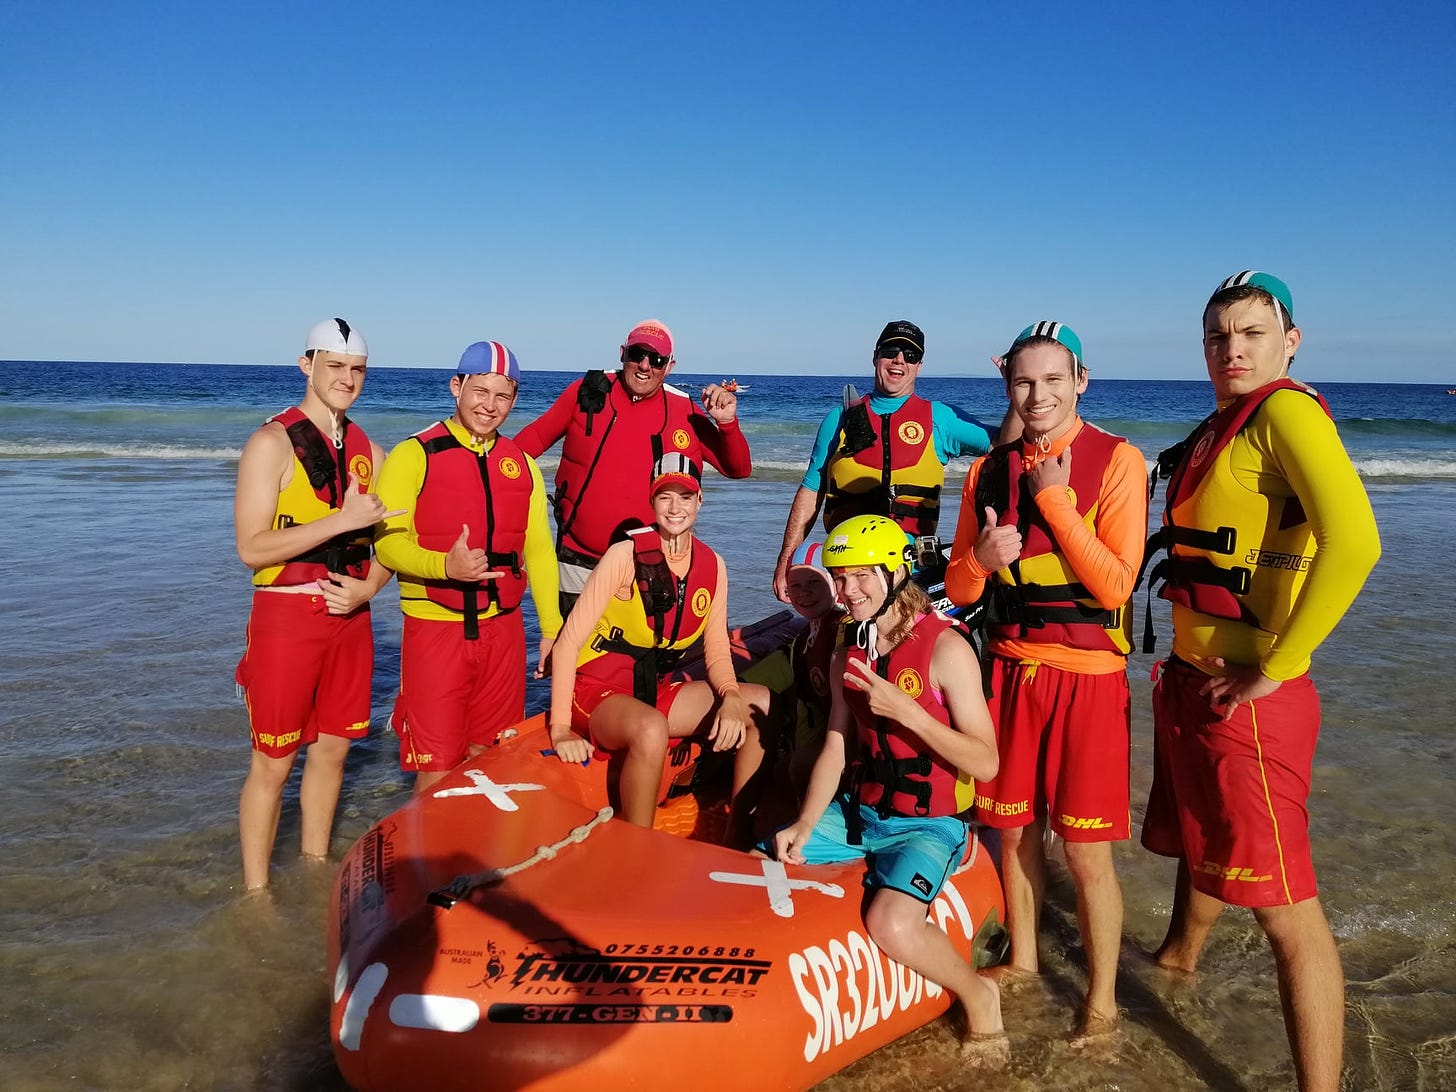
639	639
607	458
895	474
895	775
316	489
490	494
1231	554
1038	597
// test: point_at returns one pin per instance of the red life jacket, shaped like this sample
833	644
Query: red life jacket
1196	580
810	654
895	775
489	493
1043	602
896	473
326	471
638	640
606	464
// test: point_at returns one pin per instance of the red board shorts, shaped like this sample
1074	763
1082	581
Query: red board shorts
1063	738
1229	796
590	693
305	672
454	693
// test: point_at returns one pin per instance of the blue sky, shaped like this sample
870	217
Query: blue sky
775	181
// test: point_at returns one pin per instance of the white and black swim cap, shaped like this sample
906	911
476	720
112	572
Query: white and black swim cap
335	336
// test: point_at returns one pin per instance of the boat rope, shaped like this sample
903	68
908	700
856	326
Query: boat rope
461	886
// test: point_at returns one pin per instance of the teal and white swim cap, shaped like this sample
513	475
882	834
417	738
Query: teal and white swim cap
1059	332
1252	278
335	336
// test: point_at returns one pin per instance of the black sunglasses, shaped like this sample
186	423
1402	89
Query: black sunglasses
636	354
889	352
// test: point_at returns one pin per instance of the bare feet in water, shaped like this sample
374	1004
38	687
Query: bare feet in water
1010	978
1094	1029
989	1049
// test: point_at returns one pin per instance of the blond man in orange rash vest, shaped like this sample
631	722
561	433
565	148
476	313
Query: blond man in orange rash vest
1054	523
304	520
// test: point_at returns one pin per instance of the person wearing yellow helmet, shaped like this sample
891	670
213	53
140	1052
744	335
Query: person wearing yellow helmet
908	691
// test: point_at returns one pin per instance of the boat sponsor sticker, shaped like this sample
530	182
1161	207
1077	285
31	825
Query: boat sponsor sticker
639	972
609	1014
367	881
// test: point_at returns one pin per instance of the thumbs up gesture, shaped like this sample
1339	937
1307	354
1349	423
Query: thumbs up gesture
998	544
464	564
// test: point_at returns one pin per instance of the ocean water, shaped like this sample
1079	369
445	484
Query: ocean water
129	960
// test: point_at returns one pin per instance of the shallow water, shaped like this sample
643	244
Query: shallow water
129	959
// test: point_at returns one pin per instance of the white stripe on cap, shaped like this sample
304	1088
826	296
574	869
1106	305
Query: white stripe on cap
1047	328
1238	280
675	462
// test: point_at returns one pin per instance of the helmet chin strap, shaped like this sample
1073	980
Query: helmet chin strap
866	634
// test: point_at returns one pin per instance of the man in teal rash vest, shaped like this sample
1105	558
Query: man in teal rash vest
884	455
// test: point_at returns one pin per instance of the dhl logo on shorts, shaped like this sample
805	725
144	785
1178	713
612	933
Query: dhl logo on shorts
680	439
1232	872
909	681
510	468
911	433
996	807
702	600
1073	822
363	469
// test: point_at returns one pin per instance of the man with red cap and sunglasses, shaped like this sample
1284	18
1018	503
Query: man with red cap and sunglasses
883	455
615	428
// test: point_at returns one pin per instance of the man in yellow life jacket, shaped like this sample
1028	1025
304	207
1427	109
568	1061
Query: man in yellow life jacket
304	521
884	455
1270	536
476	526
1054	524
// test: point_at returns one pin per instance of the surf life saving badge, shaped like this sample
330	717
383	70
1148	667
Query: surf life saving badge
702	600
680	439
912	434
362	468
910	681
510	468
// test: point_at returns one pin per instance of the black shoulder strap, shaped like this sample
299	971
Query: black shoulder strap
320	461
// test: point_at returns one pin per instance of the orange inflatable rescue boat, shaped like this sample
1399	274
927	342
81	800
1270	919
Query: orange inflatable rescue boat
504	932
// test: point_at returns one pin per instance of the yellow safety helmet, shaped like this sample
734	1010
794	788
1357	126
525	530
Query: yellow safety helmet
867	540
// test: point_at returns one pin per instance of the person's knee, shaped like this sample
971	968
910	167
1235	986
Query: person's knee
1295	926
891	928
1089	862
267	773
328	751
649	736
758	696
